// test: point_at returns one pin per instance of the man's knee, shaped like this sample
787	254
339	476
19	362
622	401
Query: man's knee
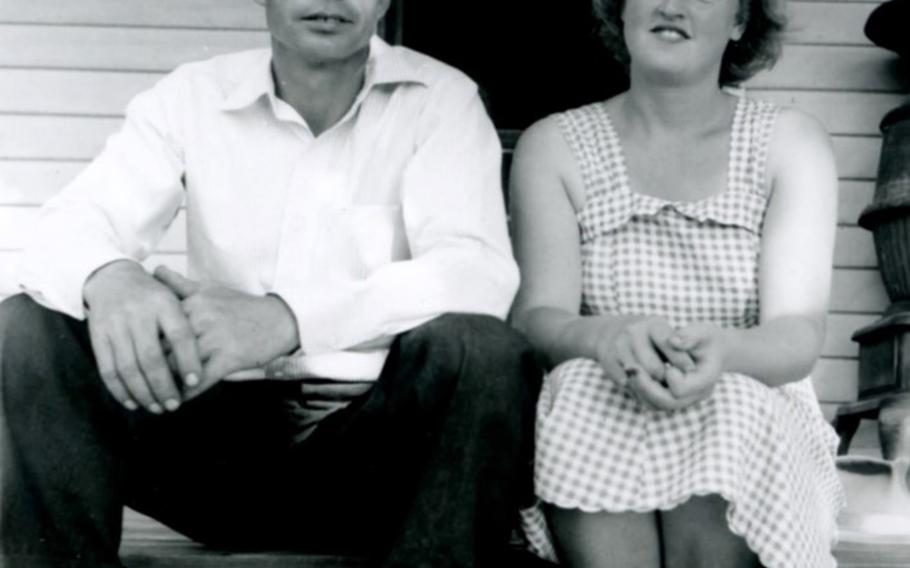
26	328
457	337
13	310
489	359
31	338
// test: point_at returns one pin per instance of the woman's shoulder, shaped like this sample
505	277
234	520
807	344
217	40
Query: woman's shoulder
785	133
564	130
544	140
587	120
541	139
544	145
595	108
786	121
796	124
794	134
566	143
800	161
542	153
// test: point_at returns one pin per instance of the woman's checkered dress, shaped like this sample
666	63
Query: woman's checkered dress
767	451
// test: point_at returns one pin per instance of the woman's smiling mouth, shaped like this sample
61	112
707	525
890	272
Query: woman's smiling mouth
670	33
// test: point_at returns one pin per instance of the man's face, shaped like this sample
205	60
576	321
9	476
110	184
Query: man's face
323	31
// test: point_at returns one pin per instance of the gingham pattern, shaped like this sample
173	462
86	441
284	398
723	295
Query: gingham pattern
767	451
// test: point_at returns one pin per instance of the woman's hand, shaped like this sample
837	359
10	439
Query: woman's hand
665	368
704	342
643	359
660	396
643	345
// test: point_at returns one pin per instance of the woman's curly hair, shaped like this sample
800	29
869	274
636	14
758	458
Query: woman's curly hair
757	49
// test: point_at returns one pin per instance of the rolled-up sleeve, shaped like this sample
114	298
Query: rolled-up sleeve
454	216
118	207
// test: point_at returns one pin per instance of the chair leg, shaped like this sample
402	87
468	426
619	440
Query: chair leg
894	426
846	426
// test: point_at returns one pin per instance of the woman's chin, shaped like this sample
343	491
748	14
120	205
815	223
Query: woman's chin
668	74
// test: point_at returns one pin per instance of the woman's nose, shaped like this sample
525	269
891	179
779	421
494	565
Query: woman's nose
670	9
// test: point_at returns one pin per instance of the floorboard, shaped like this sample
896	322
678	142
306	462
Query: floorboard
148	544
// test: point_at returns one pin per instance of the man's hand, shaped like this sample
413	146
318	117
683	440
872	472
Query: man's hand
234	330
129	315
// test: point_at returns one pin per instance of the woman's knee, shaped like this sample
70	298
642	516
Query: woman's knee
605	539
696	534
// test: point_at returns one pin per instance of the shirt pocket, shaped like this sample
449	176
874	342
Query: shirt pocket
359	239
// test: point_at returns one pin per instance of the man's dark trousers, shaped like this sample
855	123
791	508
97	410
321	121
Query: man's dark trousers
426	469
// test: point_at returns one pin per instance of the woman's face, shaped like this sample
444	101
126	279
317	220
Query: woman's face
679	40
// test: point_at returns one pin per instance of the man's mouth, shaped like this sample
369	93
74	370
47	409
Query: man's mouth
669	32
323	18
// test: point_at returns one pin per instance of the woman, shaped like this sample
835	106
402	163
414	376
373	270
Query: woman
675	244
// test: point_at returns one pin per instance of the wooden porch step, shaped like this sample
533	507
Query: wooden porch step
168	555
872	555
149	544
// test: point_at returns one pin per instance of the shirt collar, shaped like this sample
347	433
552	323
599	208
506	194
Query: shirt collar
386	65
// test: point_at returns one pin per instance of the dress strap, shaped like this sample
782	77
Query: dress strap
593	141
750	140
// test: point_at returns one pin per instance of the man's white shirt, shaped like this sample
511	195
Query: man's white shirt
393	216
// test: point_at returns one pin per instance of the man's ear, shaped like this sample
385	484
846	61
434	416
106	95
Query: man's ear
384	7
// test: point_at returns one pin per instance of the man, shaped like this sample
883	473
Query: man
343	206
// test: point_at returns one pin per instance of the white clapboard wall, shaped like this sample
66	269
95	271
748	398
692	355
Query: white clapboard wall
67	70
832	71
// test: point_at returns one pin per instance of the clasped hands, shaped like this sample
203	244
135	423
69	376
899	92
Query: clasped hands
161	340
663	367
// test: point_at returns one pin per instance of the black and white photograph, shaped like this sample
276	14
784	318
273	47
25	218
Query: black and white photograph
417	284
